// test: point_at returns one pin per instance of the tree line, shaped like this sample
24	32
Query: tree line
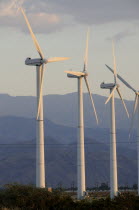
27	197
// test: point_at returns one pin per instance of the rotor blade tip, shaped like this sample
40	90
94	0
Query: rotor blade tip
68	58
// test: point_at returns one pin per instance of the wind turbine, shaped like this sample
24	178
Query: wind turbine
39	63
135	110
80	143
113	156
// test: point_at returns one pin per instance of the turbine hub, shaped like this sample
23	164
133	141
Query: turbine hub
86	74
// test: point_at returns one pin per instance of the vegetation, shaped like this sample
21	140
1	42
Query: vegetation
30	198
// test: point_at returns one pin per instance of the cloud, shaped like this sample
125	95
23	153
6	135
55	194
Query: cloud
94	11
7	8
44	21
56	14
121	35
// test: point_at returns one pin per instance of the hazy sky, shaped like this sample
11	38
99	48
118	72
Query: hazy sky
60	27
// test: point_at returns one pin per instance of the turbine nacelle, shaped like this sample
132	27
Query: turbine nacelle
108	85
35	61
73	76
76	75
40	61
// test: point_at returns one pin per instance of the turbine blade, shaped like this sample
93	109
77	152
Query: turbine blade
93	105
86	52
55	59
12	5
76	73
123	102
114	62
122	80
111	94
40	94
32	35
133	114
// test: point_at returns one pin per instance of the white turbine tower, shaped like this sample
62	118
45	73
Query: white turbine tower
113	156
135	110
39	63
81	186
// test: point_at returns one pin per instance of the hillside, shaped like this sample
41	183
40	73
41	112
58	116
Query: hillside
18	163
17	140
62	109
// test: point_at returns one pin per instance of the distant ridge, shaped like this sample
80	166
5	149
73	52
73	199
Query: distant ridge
62	109
17	127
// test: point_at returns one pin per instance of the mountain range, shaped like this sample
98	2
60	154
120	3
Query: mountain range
62	109
17	141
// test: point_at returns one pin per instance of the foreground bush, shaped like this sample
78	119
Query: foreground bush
31	198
